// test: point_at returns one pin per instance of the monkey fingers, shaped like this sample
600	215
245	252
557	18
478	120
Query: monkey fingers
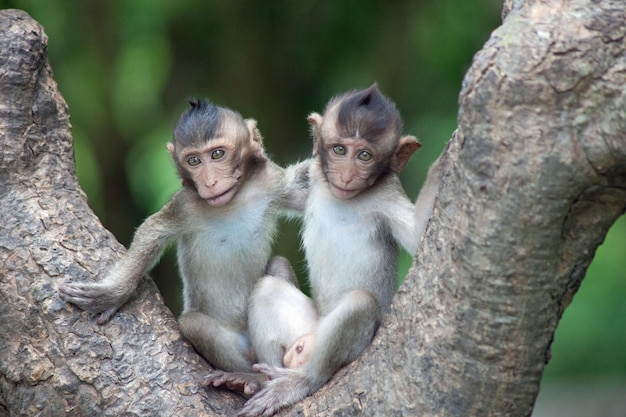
284	388
89	297
247	383
105	315
81	294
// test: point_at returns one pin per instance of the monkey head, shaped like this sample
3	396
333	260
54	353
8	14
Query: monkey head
358	140
214	149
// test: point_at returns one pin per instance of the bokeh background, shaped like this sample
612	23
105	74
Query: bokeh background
127	67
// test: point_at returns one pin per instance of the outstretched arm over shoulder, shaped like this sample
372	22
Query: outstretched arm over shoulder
296	186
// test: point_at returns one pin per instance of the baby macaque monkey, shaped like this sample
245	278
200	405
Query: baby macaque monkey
356	215
224	219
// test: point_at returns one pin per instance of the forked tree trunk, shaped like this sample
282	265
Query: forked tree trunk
535	176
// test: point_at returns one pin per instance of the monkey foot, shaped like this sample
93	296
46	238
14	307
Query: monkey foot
247	383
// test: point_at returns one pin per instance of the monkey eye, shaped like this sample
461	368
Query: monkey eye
194	161
218	154
364	156
339	150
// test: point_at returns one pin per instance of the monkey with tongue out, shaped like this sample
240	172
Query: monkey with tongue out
224	221
356	216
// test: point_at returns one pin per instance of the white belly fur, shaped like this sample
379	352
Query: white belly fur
222	260
343	248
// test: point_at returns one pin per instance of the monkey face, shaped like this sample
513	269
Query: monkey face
214	170
350	166
214	149
358	139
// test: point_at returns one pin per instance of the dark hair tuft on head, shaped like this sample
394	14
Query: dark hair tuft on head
367	114
199	123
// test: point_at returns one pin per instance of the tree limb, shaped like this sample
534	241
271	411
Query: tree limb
533	179
54	359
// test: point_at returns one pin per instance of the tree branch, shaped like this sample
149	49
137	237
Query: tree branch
54	359
533	179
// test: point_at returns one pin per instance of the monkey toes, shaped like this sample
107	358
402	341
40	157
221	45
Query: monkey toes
242	382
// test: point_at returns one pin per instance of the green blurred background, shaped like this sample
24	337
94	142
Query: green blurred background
127	68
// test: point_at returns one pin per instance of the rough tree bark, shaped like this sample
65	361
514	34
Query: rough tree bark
535	176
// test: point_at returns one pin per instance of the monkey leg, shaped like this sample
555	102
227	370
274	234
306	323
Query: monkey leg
280	267
224	348
344	333
279	314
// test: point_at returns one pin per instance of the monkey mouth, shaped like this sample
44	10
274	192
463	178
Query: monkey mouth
342	193
223	198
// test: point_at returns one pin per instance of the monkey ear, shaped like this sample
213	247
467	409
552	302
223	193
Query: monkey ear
315	120
406	146
171	149
256	139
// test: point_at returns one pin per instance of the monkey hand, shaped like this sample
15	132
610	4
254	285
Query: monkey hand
247	383
103	298
284	387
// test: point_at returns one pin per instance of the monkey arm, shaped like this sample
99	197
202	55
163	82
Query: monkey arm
399	214
426	199
120	282
296	186
407	221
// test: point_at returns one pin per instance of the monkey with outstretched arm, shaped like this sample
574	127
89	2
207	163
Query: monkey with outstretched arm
356	215
224	221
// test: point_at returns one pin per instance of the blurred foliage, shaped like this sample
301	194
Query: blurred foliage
126	69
